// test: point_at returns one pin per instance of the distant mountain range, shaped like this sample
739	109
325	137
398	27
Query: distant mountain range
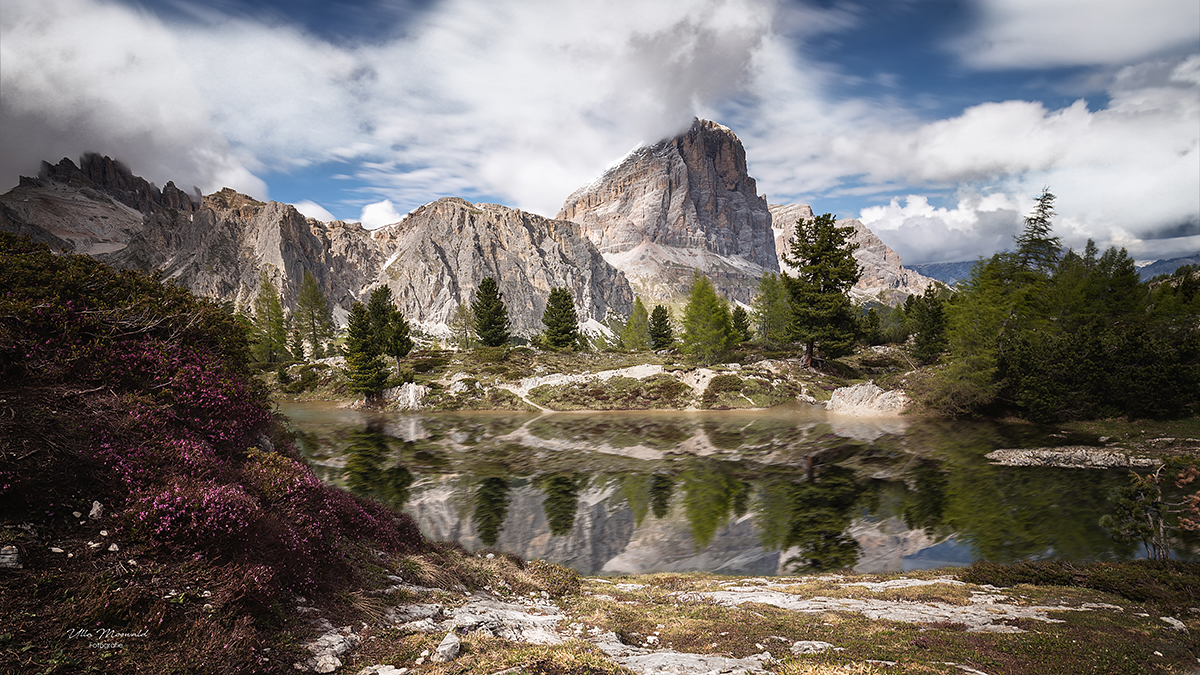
952	272
684	204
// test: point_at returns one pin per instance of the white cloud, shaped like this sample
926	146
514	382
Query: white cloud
1050	33
1122	173
82	76
312	209
379	214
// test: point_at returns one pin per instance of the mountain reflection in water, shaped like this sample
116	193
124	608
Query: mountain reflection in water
745	492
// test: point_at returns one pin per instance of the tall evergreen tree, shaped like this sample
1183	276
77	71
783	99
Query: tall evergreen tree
491	316
1037	249
772	310
364	367
661	335
270	325
560	319
314	318
707	329
823	256
636	336
928	315
388	324
741	323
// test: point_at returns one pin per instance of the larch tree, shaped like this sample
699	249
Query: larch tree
707	329
313	316
560	319
491	316
772	310
822	314
636	336
270	325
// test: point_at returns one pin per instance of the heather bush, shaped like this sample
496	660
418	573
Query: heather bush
140	395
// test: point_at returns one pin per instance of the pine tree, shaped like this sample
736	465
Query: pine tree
661	335
364	367
270	325
707	329
1037	249
560	319
928	315
636	336
772	310
314	318
741	323
388	325
491	316
823	256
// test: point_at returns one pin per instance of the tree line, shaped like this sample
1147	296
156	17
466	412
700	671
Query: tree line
1041	332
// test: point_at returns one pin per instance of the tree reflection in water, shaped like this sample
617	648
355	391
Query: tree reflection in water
491	508
368	472
929	483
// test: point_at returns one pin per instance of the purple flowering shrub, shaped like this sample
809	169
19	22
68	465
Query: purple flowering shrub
139	395
194	512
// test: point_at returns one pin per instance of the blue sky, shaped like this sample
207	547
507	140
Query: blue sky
935	122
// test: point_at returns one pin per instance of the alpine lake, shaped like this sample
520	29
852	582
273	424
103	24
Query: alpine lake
765	492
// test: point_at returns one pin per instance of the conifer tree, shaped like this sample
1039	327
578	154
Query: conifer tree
491	316
388	324
741	323
707	329
636	336
270	325
462	326
314	318
661	335
364	367
772	310
560	319
1037	249
823	256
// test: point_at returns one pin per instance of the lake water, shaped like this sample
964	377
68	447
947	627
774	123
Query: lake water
734	492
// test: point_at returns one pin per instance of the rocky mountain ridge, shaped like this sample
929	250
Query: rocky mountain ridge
682	204
688	203
218	245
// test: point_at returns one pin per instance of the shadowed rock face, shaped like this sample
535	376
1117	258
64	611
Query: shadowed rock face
218	246
438	255
683	204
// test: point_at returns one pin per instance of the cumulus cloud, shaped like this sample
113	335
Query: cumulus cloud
1123	172
522	101
82	76
312	209
379	214
1051	33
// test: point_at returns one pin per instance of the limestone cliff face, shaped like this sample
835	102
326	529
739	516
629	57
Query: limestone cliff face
438	254
882	270
217	246
683	204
